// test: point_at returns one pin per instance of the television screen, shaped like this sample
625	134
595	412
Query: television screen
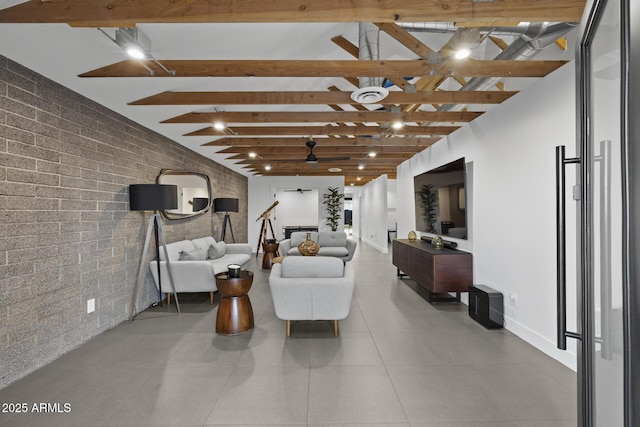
441	200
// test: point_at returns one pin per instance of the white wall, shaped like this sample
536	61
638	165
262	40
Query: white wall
374	219
510	152
295	208
392	203
356	195
262	190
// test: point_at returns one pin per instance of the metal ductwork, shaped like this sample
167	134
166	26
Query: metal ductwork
450	27
536	38
371	90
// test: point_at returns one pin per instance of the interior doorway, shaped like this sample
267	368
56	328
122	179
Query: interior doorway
297	207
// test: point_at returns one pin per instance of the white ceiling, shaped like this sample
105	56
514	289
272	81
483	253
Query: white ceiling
61	53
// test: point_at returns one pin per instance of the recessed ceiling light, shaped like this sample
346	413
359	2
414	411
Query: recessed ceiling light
335	170
252	155
397	124
372	154
359	178
360	166
462	53
133	41
219	126
267	167
352	184
136	53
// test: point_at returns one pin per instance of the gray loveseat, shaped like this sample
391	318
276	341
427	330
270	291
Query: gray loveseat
194	264
332	243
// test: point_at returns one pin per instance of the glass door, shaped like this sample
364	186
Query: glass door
606	102
603	155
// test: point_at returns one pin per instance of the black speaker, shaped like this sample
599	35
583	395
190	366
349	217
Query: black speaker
486	306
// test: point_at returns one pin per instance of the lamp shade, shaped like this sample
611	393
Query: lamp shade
153	197
199	203
225	205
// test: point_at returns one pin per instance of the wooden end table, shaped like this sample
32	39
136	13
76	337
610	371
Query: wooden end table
270	252
235	314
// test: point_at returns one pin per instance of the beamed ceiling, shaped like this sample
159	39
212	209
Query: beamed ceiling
280	73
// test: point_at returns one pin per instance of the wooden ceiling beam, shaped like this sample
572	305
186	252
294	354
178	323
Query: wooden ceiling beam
255	143
320	150
406	39
324	130
325	68
356	106
348	177
320	97
319	171
347	46
431	83
499	42
112	13
352	49
380	159
323	117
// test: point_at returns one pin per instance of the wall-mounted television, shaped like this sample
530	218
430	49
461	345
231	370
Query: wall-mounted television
441	200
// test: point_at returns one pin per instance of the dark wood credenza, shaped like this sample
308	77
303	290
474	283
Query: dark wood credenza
438	271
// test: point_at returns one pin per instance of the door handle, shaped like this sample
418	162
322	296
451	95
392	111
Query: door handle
561	247
606	308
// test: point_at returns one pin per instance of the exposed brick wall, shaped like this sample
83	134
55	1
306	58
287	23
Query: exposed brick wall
66	232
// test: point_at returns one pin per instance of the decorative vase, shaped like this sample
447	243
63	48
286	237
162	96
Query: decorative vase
412	236
308	247
437	243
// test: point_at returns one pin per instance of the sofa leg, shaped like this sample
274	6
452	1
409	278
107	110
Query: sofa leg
169	299
288	327
335	328
211	298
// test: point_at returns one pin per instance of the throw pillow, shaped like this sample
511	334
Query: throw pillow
194	255
217	250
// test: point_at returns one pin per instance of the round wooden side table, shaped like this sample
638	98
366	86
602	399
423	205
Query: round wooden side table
270	252
235	314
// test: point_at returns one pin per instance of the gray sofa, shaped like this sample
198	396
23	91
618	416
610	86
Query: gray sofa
312	288
332	243
194	264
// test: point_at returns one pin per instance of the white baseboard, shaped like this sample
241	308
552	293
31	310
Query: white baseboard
384	250
567	358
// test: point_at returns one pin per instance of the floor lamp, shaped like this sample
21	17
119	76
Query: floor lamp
153	197
226	205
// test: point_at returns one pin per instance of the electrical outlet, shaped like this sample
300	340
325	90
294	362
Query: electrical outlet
91	305
513	299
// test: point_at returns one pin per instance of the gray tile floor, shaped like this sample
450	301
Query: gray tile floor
399	361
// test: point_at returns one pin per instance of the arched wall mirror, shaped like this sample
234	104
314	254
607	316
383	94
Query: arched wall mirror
194	192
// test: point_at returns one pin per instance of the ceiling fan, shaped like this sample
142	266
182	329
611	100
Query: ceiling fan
313	160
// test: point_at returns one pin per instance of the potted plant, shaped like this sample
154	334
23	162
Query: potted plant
333	203
428	200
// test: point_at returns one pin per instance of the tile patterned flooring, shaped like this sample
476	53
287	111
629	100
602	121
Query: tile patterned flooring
399	361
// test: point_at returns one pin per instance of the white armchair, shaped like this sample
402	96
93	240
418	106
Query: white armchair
312	288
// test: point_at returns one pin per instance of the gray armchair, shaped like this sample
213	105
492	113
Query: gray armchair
312	288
